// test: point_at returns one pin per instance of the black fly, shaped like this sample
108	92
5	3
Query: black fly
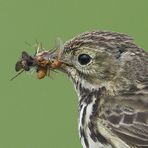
24	63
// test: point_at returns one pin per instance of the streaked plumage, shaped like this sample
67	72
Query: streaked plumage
112	89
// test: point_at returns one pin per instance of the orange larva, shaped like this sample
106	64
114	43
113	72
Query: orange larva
44	66
42	72
56	64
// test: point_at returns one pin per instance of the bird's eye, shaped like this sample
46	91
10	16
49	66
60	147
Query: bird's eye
84	59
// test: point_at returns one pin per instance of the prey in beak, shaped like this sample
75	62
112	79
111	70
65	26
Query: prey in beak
43	62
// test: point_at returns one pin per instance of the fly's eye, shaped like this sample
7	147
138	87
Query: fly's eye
84	59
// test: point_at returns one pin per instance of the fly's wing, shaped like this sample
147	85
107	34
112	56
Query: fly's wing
25	55
58	44
127	116
18	66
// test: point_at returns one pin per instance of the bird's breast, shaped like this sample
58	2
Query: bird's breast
88	131
85	131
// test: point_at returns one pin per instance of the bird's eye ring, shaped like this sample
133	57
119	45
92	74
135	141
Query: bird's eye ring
84	59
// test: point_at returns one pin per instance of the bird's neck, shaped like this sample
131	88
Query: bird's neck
89	103
88	95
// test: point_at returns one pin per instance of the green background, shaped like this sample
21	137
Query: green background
43	113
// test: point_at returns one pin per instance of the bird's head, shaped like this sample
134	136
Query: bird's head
97	59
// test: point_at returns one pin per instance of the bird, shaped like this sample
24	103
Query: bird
110	75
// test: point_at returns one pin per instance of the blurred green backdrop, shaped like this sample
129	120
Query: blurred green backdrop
43	113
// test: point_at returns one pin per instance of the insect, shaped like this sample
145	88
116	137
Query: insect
44	65
23	64
39	61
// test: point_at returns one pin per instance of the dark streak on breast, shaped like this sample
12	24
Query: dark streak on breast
84	115
84	136
95	135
